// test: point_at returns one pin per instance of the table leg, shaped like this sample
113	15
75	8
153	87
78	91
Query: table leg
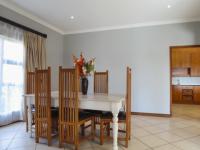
115	111
115	131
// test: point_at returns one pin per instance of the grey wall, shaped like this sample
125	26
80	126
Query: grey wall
54	41
145	50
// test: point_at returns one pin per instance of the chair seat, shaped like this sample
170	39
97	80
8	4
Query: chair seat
54	112
84	115
94	112
109	115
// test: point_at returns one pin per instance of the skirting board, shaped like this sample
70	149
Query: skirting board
150	114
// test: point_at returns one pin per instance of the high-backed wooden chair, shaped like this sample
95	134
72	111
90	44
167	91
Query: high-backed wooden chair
43	104
101	82
70	119
124	116
100	87
30	89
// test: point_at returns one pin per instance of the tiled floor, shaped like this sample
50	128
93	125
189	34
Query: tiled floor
180	132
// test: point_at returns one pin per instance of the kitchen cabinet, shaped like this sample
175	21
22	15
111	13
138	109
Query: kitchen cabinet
181	58
176	94
195	63
183	94
197	94
187	94
185	61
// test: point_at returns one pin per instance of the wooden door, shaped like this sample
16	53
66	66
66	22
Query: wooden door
195	62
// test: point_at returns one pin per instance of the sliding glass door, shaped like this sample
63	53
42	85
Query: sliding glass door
11	79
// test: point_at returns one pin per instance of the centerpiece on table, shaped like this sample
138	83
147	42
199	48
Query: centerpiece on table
86	68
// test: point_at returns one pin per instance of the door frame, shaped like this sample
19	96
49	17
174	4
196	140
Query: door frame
170	64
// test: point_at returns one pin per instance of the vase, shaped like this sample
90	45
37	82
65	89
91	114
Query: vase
84	85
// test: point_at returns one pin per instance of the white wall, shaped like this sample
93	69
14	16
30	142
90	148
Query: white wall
145	50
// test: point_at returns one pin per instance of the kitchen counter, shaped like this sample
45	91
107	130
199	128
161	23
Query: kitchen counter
184	85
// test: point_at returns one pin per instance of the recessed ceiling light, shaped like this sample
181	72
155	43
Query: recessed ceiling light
169	6
71	17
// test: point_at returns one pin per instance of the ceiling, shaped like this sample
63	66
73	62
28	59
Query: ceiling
98	15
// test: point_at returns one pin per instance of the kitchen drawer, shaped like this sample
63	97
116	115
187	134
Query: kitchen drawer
188	92
187	98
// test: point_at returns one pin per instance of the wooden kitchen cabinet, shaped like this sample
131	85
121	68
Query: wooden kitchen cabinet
186	94
176	94
195	62
181	58
197	94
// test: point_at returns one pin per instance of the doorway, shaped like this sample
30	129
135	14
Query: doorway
184	79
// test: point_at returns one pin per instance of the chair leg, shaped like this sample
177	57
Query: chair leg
60	135
77	147
129	129
101	132
93	128
127	138
36	139
26	117
108	129
126	143
77	142
83	129
49	141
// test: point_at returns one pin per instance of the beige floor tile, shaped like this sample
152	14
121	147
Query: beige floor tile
166	126
46	147
7	135
154	129
17	143
140	132
4	144
183	133
167	147
187	145
195	140
22	148
170	137
193	129
142	123
152	141
137	145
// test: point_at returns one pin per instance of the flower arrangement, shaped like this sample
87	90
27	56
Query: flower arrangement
86	68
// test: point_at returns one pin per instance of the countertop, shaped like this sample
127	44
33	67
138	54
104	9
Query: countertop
184	85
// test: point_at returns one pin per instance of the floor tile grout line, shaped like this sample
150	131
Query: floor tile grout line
11	140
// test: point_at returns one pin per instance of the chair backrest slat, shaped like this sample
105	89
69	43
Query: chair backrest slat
68	105
101	82
30	82
128	99
128	91
43	103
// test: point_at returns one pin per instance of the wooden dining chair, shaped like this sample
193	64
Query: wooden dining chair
123	117
101	82
70	118
43	104
30	89
100	87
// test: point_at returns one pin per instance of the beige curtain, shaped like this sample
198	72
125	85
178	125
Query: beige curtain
35	48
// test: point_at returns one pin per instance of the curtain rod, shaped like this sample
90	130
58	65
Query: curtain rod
22	26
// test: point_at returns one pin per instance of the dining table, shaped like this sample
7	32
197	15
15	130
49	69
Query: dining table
102	102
